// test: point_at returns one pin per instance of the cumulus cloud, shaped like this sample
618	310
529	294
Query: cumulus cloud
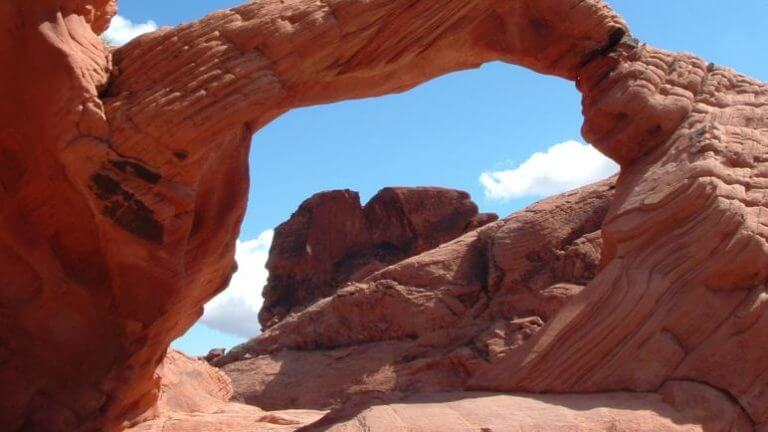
235	310
122	30
562	167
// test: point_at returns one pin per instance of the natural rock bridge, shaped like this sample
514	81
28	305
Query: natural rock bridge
123	181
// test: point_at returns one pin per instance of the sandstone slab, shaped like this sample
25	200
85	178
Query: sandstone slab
472	412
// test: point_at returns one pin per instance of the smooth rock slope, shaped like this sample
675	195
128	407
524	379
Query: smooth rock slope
433	321
679	407
194	397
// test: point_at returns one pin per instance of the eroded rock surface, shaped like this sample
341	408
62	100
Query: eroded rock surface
429	322
124	172
194	397
331	239
123	181
681	291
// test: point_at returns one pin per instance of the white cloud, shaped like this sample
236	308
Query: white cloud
122	30
562	167
235	310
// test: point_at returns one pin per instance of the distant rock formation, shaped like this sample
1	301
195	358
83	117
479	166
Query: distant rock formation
331	239
213	354
124	178
433	321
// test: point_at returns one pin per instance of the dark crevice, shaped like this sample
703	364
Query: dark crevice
136	170
618	37
614	39
125	209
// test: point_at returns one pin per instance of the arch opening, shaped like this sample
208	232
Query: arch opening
404	140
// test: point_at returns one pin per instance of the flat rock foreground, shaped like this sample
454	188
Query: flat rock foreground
634	304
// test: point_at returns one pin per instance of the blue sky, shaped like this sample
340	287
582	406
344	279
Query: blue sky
447	132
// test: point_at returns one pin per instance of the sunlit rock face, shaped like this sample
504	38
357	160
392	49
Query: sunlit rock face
194	397
433	321
123	181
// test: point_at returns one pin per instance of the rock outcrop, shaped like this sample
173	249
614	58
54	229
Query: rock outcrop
331	239
194	397
123	181
430	322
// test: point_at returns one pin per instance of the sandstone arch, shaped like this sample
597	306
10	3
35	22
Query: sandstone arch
123	178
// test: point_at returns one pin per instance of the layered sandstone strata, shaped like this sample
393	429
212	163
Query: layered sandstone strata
123	180
194	397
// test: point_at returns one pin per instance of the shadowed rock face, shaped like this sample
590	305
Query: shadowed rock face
331	239
123	180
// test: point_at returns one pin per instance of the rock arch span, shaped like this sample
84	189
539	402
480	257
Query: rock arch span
123	180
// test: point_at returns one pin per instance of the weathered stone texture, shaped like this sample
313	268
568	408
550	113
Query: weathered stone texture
123	181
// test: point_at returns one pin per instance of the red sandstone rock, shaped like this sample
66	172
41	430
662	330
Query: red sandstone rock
331	239
188	385
428	322
194	397
616	412
123	179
